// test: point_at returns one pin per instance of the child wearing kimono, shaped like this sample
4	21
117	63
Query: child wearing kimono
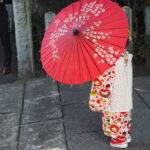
111	93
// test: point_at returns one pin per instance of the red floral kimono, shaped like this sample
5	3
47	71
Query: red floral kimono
114	123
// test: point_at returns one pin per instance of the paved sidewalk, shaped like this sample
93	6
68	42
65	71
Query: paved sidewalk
42	115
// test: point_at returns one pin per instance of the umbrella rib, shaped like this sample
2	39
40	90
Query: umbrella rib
108	23
55	32
107	16
85	60
85	10
111	36
91	57
57	26
63	22
72	73
73	12
88	23
107	42
67	16
72	8
46	54
61	58
109	29
115	13
79	13
55	38
98	54
106	2
100	47
79	62
53	44
56	73
113	21
44	48
123	37
66	66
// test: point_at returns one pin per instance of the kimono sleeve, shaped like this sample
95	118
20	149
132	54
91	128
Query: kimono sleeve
100	96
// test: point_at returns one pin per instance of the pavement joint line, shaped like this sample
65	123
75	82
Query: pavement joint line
4	144
6	113
142	99
21	115
65	133
2	102
29	123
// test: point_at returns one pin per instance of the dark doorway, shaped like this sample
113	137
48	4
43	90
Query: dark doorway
13	75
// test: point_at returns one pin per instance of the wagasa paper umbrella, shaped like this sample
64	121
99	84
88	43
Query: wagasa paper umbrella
84	40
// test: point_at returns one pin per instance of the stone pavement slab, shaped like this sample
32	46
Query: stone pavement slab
142	84
138	102
41	101
145	96
11	96
79	118
41	109
40	87
80	129
7	108
139	147
47	135
142	88
42	125
11	92
42	122
83	127
10	78
88	141
12	146
81	93
96	141
35	101
140	127
9	129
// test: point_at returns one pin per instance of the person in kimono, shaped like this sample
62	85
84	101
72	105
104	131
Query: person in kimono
4	36
111	94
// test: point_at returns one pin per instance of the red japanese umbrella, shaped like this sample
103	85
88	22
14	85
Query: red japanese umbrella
84	40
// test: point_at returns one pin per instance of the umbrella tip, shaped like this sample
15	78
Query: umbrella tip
75	32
